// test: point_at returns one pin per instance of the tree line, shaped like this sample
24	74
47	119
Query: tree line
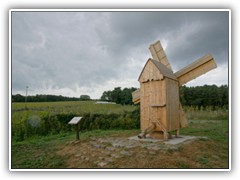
200	96
204	96
118	95
42	98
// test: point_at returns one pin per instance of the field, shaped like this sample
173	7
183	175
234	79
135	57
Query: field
75	107
109	147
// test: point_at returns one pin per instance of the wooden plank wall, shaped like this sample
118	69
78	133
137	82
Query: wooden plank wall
153	103
144	105
172	90
150	73
158	103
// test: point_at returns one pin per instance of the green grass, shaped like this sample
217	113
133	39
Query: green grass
36	152
213	129
75	107
52	117
19	110
209	113
40	151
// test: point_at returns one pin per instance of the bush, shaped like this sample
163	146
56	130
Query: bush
52	124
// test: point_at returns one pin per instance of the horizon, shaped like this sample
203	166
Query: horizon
24	95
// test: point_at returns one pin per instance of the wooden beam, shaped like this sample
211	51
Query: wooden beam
158	54
136	96
195	69
158	105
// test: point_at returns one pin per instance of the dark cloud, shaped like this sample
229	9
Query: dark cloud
87	51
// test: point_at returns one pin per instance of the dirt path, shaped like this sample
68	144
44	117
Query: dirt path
120	152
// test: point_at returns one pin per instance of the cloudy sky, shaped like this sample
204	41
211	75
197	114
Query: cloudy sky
74	53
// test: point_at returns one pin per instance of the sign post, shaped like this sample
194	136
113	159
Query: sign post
75	121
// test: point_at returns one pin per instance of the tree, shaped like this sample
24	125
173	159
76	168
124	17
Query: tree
106	96
118	95
203	96
85	98
42	98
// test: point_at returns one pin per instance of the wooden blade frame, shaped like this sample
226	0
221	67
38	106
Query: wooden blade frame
196	69
158	54
136	96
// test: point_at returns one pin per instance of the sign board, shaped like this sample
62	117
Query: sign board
75	120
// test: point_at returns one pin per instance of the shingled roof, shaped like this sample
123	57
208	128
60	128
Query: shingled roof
162	68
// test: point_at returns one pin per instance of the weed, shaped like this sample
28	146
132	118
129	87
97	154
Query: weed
182	164
203	160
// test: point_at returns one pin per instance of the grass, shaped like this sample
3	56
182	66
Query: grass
20	110
40	151
52	117
209	113
75	107
214	129
60	151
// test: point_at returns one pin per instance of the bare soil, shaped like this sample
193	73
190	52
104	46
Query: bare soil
120	152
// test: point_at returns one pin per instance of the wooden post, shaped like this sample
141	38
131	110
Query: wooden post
77	132
165	135
75	121
177	133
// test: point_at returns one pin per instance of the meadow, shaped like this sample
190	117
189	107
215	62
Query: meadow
77	107
30	119
42	137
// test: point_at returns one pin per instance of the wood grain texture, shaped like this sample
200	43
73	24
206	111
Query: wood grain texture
195	69
159	91
158	54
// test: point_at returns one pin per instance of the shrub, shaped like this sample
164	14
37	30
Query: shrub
52	124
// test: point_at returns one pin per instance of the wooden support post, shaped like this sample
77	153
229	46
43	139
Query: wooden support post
75	121
177	133
77	132
165	135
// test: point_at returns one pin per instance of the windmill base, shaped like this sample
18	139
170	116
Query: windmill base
163	135
159	135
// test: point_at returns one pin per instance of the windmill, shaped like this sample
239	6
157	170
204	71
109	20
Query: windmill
161	111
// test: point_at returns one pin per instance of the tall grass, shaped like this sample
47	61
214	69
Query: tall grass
76	107
208	113
53	117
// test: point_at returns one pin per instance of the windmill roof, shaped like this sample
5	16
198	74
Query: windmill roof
162	68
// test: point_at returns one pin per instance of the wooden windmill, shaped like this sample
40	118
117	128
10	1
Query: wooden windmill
161	110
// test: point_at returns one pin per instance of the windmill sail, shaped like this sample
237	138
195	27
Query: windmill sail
158	54
136	96
196	69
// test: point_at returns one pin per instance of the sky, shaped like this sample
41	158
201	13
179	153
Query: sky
76	53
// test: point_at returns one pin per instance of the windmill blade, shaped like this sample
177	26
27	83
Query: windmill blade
196	69
136	96
158	54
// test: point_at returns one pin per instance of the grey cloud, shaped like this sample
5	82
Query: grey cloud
65	49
